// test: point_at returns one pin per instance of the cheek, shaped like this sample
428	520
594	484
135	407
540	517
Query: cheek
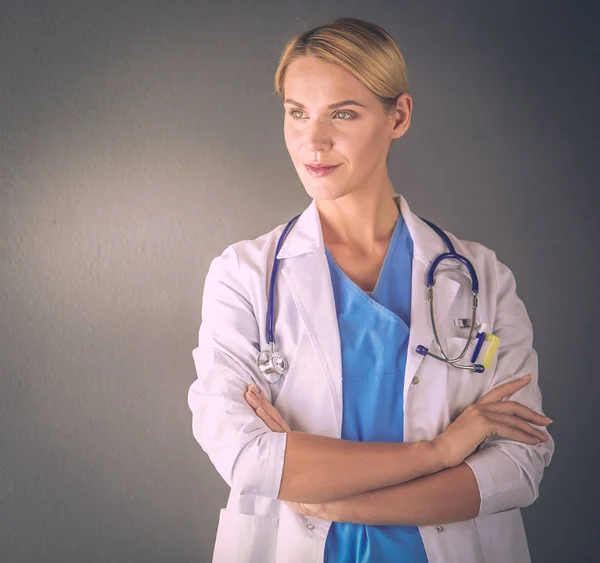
291	140
364	146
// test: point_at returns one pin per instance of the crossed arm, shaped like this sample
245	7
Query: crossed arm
450	495
501	475
430	493
398	488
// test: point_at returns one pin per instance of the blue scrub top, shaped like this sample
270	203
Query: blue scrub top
374	334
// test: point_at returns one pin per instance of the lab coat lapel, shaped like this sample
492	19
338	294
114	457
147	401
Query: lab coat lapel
306	273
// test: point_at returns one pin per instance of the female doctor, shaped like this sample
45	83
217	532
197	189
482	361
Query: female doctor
364	399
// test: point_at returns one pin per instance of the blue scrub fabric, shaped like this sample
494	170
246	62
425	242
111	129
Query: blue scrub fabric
374	334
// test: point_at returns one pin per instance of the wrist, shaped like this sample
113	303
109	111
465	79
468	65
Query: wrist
327	511
438	453
343	510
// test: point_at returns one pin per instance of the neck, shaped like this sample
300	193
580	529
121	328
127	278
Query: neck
361	220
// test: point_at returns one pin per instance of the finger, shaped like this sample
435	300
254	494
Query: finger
512	433
505	390
273	426
252	400
271	411
274	413
295	506
256	399
278	418
313	510
260	411
499	419
517	409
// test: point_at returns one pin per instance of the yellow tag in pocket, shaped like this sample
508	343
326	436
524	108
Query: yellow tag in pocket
491	350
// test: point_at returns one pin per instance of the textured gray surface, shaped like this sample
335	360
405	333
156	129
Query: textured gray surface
138	139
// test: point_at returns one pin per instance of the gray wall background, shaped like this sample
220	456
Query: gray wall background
138	139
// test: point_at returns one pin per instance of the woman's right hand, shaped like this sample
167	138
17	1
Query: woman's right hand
490	416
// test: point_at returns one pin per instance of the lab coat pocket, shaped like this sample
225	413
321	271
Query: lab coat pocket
495	529
465	387
245	538
455	345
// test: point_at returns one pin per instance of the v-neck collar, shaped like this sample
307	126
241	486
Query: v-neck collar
362	294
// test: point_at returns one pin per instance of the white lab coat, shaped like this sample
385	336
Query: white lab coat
256	527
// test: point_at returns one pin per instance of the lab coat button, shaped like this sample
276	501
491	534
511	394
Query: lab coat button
439	529
415	380
310	526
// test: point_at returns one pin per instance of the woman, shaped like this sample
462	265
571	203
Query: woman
363	449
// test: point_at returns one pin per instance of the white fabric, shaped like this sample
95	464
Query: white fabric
255	526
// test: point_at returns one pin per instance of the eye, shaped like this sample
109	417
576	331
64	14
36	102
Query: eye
347	114
293	113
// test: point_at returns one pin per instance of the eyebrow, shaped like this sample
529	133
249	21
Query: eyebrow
332	106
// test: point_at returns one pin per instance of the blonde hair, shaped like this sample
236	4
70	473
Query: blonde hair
364	49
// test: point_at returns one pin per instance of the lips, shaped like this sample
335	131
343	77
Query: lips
320	169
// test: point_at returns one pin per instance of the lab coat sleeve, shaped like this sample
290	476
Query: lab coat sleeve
509	472
245	452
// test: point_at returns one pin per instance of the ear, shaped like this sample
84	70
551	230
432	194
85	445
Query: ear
401	116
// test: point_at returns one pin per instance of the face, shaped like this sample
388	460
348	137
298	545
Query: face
332	118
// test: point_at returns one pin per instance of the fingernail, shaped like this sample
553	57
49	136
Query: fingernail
528	376
550	421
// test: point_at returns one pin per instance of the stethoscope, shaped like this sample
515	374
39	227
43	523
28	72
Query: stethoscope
272	365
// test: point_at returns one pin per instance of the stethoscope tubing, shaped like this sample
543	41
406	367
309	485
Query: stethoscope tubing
271	305
271	362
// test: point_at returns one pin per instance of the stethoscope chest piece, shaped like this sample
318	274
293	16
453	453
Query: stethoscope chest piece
272	365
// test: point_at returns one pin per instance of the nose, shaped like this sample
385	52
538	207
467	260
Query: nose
318	136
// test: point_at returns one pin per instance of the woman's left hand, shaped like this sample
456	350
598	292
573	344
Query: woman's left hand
271	417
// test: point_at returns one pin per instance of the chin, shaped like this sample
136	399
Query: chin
321	194
321	190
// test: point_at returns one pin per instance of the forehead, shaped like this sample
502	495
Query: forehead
311	81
